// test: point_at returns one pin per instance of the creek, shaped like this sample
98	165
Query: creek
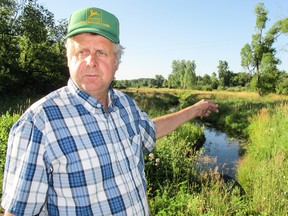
219	151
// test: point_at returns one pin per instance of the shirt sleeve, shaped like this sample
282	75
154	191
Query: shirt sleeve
25	176
147	130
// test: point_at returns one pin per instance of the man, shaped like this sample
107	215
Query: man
79	150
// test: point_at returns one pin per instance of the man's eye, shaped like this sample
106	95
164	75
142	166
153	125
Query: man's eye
101	53
83	52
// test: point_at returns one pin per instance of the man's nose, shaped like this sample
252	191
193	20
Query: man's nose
92	60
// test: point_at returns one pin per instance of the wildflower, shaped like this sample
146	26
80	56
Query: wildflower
157	161
151	156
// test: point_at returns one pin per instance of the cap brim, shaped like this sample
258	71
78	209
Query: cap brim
93	30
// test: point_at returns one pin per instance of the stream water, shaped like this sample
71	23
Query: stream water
220	151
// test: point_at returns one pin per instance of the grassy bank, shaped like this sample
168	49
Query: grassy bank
263	171
176	185
261	121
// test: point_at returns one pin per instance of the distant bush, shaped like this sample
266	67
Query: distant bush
282	88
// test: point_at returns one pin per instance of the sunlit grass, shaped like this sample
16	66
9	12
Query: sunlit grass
248	96
264	169
176	185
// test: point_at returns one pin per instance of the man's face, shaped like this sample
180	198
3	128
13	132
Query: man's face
91	62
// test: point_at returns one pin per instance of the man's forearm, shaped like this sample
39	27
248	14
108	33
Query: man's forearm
168	123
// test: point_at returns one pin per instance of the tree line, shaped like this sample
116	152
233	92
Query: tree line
33	56
258	58
32	49
183	76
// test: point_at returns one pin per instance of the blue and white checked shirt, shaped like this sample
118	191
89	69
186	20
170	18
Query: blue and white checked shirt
67	156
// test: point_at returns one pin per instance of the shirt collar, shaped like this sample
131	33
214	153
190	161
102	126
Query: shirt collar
86	99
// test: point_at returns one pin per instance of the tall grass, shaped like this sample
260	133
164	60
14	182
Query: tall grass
172	162
15	104
263	171
176	183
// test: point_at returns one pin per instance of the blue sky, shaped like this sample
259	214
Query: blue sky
156	32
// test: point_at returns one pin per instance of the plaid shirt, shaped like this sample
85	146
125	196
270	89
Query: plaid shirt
67	156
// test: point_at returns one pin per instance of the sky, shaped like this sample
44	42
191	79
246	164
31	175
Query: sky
156	32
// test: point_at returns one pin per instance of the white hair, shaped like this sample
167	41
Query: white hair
118	50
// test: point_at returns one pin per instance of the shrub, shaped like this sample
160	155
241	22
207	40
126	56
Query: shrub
6	122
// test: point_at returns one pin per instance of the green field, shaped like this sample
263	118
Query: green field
176	185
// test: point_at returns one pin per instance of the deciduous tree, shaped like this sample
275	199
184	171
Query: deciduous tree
261	51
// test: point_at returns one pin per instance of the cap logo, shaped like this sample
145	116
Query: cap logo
94	17
94	14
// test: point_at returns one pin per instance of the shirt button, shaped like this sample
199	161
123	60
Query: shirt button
98	105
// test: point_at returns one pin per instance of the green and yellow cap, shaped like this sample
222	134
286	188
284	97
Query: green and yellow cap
94	20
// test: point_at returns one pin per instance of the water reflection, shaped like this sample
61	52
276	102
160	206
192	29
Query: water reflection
220	151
